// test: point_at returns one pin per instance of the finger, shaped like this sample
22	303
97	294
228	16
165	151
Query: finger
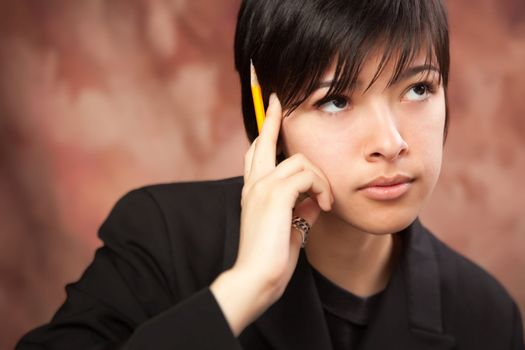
298	163
308	210
307	181
248	158
265	150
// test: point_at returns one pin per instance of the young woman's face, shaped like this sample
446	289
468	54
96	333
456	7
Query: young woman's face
380	149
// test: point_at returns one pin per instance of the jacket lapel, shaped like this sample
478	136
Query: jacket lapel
296	320
409	316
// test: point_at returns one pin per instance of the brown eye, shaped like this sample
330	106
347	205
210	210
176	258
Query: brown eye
334	105
339	102
418	92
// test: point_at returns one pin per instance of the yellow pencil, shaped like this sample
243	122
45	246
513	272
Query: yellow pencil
257	98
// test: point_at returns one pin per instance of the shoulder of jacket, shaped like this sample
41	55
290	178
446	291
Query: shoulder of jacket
188	207
181	224
468	284
177	196
193	191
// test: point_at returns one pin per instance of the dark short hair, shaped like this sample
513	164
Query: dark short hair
293	42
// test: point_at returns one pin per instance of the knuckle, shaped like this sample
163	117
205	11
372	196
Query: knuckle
285	163
309	174
244	193
258	189
299	157
248	191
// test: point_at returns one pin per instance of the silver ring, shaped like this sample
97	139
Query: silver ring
303	228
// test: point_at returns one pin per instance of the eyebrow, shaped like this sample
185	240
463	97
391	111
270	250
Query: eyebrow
406	74
410	72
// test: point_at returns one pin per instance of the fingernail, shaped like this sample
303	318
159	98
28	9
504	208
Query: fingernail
273	98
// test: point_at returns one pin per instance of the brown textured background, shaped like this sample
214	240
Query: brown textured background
98	97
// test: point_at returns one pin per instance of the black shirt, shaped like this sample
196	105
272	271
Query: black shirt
347	315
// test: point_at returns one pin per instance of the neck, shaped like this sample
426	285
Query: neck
355	260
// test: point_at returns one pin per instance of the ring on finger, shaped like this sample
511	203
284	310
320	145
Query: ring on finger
303	228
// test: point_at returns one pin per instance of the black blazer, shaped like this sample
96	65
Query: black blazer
147	287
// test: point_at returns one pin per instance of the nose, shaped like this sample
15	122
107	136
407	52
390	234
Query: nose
384	141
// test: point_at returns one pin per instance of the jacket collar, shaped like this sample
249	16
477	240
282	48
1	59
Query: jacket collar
409	314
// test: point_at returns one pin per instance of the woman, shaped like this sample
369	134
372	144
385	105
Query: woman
356	119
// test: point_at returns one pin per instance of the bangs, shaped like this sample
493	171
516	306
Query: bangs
293	43
402	29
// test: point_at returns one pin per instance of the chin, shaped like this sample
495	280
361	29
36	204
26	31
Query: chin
383	223
386	228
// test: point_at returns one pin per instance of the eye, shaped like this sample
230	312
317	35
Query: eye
419	92
333	104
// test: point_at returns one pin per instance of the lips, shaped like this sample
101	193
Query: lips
387	188
388	181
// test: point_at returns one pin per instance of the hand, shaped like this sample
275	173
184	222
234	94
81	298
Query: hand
269	246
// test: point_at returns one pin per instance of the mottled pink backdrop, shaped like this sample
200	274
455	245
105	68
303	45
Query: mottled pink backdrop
99	97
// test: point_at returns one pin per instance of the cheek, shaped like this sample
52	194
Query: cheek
333	154
322	140
434	159
325	148
296	136
425	140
